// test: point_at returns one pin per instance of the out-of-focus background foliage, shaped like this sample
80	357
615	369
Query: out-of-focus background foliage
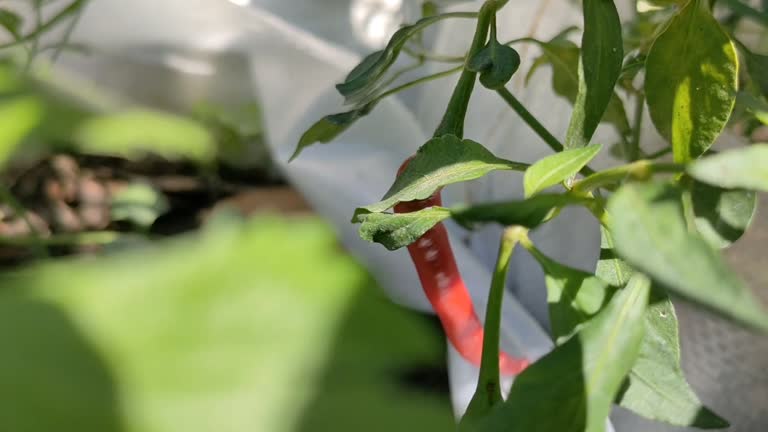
157	274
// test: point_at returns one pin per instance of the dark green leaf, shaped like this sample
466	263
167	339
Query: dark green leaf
757	66
440	162
10	21
656	387
573	296
650	232
496	64
529	213
722	215
572	388
691	81
602	54
329	127
555	168
743	168
398	230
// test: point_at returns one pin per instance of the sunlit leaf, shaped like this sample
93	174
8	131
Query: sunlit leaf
136	133
440	162
651	233
722	215
741	168
398	230
580	377
555	168
602	54
691	81
18	117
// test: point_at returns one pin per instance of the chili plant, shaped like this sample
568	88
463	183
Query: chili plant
664	215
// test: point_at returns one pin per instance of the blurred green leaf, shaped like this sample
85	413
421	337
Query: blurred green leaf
573	387
440	162
139	203
529	213
398	230
656	387
651	233
135	133
758	107
722	215
232	329
18	117
602	54
691	81
555	168
757	66
10	21
741	168
329	127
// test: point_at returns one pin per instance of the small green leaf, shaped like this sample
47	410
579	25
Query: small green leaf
496	64
18	117
398	230
757	66
691	81
573	296
440	162
572	388
610	267
329	127
11	21
366	77
529	213
555	168
656	386
602	55
743	168
757	106
135	133
722	215
650	232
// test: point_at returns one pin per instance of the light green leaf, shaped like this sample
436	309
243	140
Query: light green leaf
602	55
572	388
691	81
18	117
139	203
529	213
398	230
190	335
742	168
135	133
650	232
610	267
496	64
722	215
440	162
555	168
329	127
573	296
656	387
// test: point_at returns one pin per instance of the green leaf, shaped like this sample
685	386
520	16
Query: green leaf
11	21
365	79
757	66
610	267
555	168
329	127
742	168
138	203
650	232
691	81
18	117
573	296
602	55
656	387
440	162
135	133
563	55
572	388
398	230
758	107
529	213
722	215
496	64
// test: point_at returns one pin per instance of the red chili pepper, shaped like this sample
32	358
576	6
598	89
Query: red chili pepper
445	289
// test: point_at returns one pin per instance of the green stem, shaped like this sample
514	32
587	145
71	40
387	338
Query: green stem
453	119
488	391
418	81
633	152
535	124
639	170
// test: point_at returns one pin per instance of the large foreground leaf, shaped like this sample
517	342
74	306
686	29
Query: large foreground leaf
742	168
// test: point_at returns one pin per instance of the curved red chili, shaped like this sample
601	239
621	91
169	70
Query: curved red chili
442	283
